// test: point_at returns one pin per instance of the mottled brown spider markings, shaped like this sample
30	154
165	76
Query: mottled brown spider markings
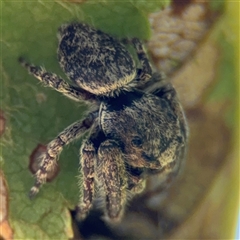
138	128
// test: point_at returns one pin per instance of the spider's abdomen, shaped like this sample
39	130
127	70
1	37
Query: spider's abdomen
94	60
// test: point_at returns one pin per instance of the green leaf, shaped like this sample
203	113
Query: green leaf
36	114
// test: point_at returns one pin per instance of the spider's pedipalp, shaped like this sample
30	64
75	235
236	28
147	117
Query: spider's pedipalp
136	184
54	148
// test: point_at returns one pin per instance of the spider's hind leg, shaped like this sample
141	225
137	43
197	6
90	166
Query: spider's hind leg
145	72
57	83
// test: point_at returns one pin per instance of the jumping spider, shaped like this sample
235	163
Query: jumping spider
136	130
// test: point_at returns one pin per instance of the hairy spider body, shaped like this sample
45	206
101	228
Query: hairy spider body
138	128
101	64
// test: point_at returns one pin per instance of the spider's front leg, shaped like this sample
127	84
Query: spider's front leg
87	161
54	148
112	177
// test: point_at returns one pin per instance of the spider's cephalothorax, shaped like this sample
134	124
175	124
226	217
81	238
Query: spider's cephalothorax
138	128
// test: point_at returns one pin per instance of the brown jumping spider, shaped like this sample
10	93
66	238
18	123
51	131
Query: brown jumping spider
136	130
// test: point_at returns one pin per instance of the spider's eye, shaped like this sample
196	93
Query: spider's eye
136	141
